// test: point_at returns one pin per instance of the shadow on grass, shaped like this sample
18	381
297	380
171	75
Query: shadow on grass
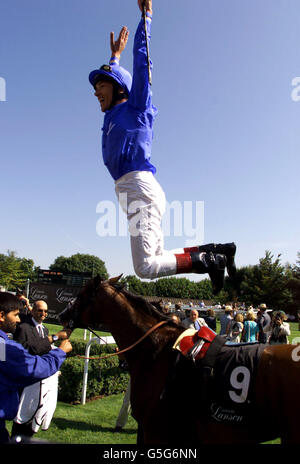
64	424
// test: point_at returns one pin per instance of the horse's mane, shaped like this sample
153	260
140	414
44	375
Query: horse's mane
140	302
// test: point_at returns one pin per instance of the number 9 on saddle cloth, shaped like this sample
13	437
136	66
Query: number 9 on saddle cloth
227	373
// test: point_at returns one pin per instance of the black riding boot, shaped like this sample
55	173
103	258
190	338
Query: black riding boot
213	264
227	249
202	263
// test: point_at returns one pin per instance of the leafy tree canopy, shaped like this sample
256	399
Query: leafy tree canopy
266	283
80	263
14	271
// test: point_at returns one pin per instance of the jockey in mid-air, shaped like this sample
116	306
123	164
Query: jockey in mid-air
126	147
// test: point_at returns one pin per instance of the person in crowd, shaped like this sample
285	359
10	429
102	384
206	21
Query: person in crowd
18	368
225	319
126	147
211	319
194	321
264	324
251	329
280	328
38	401
179	311
167	309
175	318
235	328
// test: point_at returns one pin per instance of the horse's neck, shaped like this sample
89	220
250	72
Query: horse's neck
129	324
126	324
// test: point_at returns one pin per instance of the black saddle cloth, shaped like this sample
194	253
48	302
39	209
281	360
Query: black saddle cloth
231	392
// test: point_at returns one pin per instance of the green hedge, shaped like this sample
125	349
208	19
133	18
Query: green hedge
78	348
105	377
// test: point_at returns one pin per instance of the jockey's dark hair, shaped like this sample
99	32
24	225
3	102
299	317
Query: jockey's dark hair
118	92
9	302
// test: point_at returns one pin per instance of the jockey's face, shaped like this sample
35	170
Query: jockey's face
104	93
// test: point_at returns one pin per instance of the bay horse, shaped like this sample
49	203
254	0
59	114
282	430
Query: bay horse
166	397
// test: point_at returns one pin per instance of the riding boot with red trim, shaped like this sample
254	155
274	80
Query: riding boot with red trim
202	263
227	249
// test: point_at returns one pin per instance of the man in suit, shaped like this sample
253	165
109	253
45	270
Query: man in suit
34	336
194	321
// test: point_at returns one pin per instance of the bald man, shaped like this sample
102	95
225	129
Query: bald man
33	335
194	321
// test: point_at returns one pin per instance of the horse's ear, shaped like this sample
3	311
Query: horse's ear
97	280
113	280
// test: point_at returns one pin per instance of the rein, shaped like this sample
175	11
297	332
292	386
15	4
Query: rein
129	347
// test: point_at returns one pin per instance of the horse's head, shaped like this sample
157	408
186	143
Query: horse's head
79	312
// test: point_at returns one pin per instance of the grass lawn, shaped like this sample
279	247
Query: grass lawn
94	422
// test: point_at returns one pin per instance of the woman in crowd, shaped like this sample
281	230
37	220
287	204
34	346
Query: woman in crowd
211	320
251	329
235	328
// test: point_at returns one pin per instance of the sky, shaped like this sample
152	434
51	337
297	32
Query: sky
226	139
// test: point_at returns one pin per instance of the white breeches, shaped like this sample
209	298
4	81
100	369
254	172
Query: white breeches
38	403
144	202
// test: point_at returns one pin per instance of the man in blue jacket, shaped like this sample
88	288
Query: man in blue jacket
18	368
126	147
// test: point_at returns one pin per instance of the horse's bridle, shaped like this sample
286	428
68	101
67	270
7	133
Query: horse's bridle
159	324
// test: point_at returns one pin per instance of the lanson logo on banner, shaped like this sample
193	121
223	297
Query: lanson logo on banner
2	89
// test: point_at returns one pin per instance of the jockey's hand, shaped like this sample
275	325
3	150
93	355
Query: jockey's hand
118	46
66	346
147	3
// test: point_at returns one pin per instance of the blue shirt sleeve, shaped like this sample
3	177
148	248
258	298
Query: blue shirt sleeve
141	95
20	368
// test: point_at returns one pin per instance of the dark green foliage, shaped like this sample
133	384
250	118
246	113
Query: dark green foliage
15	271
266	283
80	263
105	377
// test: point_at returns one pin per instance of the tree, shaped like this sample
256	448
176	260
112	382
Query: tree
135	285
293	285
14	271
266	283
80	263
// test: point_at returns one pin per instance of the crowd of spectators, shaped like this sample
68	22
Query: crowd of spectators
237	323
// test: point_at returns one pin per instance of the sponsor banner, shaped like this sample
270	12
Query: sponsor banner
57	296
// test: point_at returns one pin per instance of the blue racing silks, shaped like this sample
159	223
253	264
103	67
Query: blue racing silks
127	130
